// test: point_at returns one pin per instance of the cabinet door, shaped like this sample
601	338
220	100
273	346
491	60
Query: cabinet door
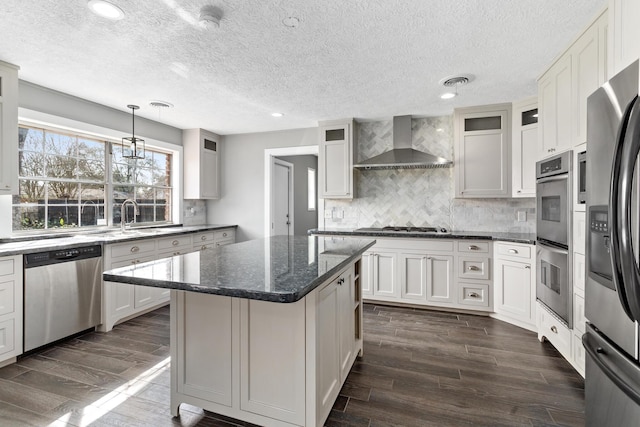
209	174
335	163
366	273
513	290
587	72
413	276
384	274
440	278
328	347
482	154
555	103
624	18
346	321
8	129
524	143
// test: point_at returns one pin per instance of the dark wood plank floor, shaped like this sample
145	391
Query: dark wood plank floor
420	368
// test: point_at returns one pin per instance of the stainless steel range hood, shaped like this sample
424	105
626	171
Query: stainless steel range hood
402	156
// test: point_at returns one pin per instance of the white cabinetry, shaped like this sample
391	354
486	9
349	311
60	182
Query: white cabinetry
524	146
201	164
263	362
122	301
384	266
474	276
514	284
482	156
335	159
555	102
8	128
10	308
624	16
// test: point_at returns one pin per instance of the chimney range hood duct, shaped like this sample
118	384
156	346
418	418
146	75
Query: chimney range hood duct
402	156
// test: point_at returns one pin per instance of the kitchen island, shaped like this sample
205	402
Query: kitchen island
264	331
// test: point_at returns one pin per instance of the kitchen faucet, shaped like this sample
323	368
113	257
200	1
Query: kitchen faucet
94	207
123	212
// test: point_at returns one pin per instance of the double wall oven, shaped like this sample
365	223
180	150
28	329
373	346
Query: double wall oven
553	223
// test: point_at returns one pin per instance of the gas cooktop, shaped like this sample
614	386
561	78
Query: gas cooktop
404	229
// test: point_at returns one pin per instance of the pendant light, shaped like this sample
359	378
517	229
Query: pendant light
132	147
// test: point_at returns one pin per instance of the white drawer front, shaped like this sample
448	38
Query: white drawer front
473	246
132	261
473	268
555	331
132	248
473	294
7	267
513	250
225	234
7	336
224	242
7	297
174	242
203	238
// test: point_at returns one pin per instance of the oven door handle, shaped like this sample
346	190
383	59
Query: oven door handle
560	177
552	249
626	274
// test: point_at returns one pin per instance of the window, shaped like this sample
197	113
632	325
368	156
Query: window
68	180
311	189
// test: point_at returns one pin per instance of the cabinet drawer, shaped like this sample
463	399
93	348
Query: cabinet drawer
7	266
472	246
578	313
200	239
132	248
7	299
174	242
473	268
225	242
174	252
7	336
225	234
132	261
198	246
512	250
555	331
473	294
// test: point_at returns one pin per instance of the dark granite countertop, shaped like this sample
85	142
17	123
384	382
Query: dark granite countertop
278	269
34	242
528	238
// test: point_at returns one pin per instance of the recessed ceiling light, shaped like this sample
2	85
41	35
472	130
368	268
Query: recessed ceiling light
277	114
291	21
106	10
448	95
210	17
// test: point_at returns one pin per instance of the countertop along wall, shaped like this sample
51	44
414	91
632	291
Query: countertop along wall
421	197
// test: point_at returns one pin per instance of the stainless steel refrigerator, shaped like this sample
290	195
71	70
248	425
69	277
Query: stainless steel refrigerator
612	293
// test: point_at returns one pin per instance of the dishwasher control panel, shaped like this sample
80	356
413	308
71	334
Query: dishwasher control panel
61	255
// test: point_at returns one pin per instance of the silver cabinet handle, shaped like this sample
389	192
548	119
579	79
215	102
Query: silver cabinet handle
203	237
528	267
519	191
474	295
513	251
135	249
554	329
474	248
203	247
473	268
224	234
175	243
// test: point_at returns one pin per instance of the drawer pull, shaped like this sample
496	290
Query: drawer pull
513	251
135	249
224	234
554	329
175	243
527	267
474	248
203	237
473	268
474	295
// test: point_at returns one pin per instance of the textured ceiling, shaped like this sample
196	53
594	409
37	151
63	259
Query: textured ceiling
369	59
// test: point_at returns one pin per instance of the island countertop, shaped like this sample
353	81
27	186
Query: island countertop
278	268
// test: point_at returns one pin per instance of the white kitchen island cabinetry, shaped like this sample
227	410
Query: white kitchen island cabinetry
482	138
278	351
8	128
335	159
10	308
201	164
123	301
514	284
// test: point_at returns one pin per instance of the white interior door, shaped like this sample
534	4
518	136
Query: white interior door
282	195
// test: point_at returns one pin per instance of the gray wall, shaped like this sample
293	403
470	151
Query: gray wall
303	218
242	174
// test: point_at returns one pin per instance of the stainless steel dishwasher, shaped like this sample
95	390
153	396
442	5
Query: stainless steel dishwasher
62	293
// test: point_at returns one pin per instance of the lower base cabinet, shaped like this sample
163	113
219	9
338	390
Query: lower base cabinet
10	308
266	363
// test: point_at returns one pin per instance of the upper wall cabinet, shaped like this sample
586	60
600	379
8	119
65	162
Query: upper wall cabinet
524	145
201	164
624	22
482	139
564	88
8	128
335	159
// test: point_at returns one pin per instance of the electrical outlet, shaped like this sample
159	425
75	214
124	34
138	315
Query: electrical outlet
522	216
340	213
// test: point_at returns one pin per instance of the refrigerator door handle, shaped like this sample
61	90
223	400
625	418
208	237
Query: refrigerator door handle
626	275
623	372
